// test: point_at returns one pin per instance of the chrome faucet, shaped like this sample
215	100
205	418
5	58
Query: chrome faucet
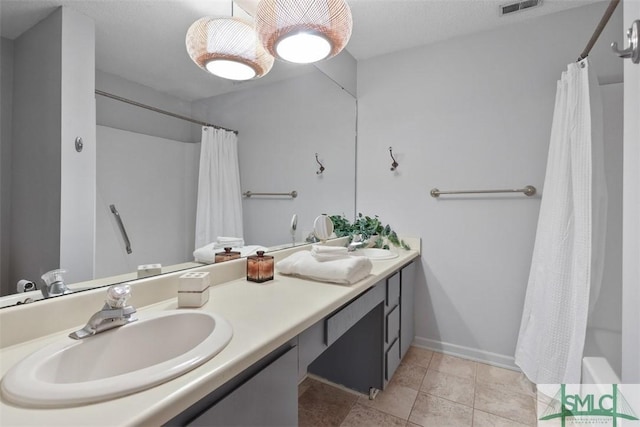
356	242
114	313
54	284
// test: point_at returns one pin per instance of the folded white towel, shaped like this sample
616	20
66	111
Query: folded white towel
329	253
227	239
207	254
344	271
228	242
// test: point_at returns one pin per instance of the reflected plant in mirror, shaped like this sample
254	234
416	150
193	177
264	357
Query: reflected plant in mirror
368	230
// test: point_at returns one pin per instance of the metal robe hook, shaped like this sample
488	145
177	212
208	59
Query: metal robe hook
633	51
395	164
321	166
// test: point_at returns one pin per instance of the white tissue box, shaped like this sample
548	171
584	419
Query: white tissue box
193	282
193	299
149	270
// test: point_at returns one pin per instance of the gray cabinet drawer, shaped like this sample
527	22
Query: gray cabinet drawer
392	325
392	359
340	322
393	290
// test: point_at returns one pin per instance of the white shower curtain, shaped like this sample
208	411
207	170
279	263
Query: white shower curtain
219	206
568	254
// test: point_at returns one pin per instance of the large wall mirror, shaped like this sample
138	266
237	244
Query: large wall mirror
146	164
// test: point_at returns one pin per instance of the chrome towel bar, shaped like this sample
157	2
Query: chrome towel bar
115	213
292	194
529	190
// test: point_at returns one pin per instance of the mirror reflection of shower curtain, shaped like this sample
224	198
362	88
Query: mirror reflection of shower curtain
567	264
219	206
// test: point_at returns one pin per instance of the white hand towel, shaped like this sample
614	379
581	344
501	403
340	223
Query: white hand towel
222	239
343	271
249	250
205	254
329	253
228	242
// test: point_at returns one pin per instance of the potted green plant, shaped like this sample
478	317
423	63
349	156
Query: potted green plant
371	230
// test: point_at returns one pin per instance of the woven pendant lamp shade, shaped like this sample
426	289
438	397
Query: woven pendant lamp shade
325	24
227	47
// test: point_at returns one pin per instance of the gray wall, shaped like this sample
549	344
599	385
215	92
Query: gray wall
343	70
153	183
604	331
35	204
52	185
78	177
118	115
147	164
6	102
631	215
470	113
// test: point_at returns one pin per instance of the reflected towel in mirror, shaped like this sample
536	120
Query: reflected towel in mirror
345	271
228	242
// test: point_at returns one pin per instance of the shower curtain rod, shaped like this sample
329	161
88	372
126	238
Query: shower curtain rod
157	110
603	22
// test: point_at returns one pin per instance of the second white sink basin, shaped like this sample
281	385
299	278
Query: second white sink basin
117	362
375	253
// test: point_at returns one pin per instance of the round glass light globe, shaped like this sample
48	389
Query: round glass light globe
231	70
303	48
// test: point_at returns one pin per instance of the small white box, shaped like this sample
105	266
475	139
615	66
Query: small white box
193	299
193	282
149	270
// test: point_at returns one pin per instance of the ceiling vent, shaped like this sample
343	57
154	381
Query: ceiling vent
506	9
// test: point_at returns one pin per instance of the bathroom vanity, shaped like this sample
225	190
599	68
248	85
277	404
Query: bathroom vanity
353	335
348	347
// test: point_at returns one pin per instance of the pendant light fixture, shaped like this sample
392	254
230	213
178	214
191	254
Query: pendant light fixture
228	48
303	31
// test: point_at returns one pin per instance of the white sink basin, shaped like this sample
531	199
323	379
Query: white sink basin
375	253
117	362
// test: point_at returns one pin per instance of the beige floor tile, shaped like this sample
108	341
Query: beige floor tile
452	392
418	356
409	375
304	386
365	416
324	405
396	400
434	411
485	419
504	403
449	386
504	378
453	365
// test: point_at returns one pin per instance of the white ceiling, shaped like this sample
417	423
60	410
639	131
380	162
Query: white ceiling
143	40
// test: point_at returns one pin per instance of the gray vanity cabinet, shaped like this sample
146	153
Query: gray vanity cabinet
392	311
265	394
360	346
365	340
407	292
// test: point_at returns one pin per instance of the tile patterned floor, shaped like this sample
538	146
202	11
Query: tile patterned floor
428	389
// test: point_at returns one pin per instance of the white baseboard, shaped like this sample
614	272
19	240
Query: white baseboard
474	354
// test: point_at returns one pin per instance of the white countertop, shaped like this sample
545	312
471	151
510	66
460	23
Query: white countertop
264	317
